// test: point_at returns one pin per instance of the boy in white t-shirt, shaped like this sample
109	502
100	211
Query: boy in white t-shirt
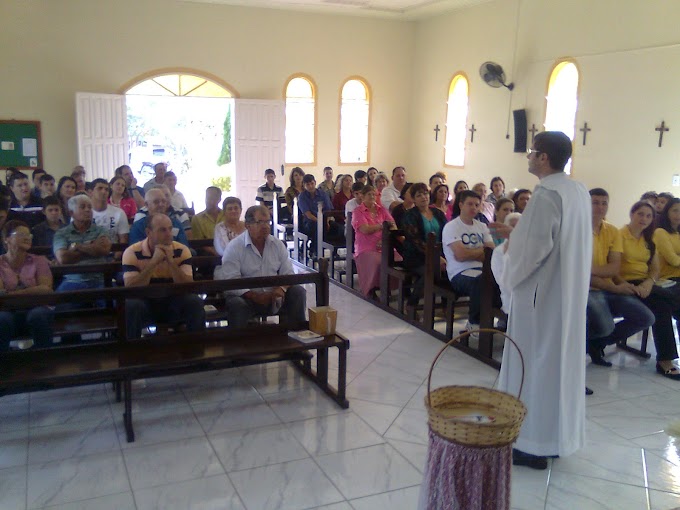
105	215
358	194
464	239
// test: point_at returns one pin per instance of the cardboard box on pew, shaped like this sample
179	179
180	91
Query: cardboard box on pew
322	319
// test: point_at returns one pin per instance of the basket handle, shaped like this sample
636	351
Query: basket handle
463	335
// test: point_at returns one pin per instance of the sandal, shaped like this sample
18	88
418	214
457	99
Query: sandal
671	373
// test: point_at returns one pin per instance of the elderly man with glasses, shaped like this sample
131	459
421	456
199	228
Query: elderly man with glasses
254	253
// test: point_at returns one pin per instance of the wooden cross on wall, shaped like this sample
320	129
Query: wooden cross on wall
472	133
436	132
585	130
661	130
533	132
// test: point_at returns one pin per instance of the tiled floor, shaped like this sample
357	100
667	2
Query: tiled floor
264	438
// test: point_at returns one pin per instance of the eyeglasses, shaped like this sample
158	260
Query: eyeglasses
260	223
533	151
21	235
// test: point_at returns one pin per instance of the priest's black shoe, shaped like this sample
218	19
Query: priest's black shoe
520	458
596	356
589	391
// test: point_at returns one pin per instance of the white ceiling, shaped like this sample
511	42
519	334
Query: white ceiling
399	9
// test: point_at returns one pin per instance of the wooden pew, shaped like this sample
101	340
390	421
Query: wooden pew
300	239
350	267
391	270
162	355
46	251
487	311
196	244
437	285
642	351
323	243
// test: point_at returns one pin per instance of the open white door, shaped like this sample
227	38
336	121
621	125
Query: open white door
259	135
101	121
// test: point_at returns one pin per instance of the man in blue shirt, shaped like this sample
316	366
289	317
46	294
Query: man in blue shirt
258	253
157	203
307	203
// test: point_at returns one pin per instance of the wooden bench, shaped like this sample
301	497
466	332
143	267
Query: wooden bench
642	351
196	244
350	267
122	360
390	270
300	239
488	312
437	285
330	245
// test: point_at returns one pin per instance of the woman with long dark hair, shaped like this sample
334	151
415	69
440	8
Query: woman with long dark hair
417	223
439	198
460	186
295	188
521	199
640	271
65	190
667	240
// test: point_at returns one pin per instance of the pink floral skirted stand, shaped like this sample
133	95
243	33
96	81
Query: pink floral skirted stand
465	477
471	432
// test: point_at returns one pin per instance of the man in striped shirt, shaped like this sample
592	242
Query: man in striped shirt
159	259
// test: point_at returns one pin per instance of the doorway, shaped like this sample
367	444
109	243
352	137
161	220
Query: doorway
186	121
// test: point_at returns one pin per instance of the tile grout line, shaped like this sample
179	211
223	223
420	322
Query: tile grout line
226	473
122	455
645	478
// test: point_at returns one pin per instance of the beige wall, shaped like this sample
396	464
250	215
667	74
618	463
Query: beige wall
53	49
627	51
628	54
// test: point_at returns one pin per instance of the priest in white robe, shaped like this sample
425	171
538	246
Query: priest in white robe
548	273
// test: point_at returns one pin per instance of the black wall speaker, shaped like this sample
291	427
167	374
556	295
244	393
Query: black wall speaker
520	118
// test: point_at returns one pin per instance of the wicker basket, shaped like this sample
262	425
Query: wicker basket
444	405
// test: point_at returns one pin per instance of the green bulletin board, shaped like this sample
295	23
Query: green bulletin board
20	144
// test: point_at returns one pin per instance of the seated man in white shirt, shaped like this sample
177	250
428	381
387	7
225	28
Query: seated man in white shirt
177	199
390	195
358	194
254	253
464	239
108	216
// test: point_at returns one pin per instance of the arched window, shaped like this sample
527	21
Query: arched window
562	100
354	120
179	85
456	121
300	120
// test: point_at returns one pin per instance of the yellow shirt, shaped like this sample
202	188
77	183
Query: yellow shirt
607	241
137	257
203	225
668	246
635	258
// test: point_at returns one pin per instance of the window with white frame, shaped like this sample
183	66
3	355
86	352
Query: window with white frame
562	101
300	121
354	119
456	121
